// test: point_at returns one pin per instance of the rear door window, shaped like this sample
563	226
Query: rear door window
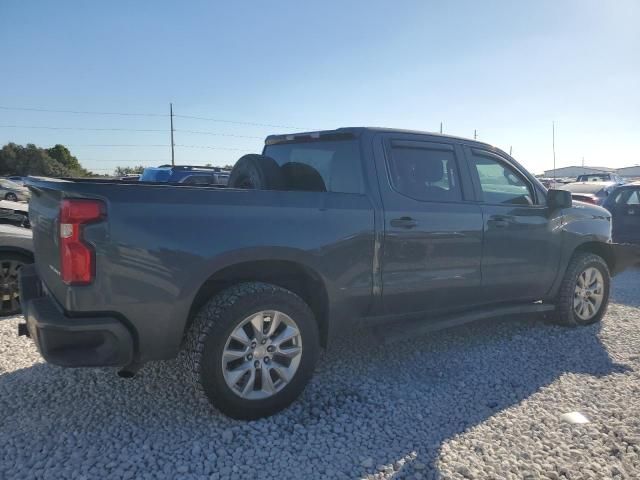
319	166
425	174
627	197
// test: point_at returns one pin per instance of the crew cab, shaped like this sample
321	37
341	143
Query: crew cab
323	230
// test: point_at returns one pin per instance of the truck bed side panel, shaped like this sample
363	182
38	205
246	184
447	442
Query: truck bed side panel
159	244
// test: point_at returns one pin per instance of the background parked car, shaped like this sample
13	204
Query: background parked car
131	177
600	177
12	191
188	174
624	205
590	192
17	179
16	250
14	213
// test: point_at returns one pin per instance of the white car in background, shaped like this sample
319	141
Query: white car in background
13	192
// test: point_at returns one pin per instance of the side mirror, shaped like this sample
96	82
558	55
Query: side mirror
559	199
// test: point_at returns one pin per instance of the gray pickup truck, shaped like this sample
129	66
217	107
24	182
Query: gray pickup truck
323	230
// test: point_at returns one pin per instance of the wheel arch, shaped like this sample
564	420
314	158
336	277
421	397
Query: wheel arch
18	250
292	275
598	248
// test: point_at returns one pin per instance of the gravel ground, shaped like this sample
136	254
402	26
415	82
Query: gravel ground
481	401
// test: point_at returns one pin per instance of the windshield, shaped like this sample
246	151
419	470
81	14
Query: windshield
155	175
9	184
594	177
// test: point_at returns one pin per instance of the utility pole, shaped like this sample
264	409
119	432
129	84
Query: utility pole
440	127
475	134
173	159
553	144
582	162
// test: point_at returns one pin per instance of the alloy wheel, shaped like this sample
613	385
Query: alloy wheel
588	294
262	355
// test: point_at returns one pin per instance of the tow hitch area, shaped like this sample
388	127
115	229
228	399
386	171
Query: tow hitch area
23	330
625	255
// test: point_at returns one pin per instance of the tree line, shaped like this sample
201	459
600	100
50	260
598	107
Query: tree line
29	159
56	161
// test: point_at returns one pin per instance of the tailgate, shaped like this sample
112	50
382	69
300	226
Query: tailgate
44	210
52	199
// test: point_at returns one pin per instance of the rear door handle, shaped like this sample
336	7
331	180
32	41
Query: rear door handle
404	222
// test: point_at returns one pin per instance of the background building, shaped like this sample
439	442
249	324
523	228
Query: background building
629	172
574	171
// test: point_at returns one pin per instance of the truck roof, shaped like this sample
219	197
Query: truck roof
356	131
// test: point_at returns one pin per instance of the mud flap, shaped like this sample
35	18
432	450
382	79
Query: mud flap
624	255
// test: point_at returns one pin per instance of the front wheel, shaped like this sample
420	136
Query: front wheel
12	197
252	349
584	292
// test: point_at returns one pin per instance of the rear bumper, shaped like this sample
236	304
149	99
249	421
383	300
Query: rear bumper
71	341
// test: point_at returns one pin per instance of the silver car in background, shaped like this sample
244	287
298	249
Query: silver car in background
590	192
13	192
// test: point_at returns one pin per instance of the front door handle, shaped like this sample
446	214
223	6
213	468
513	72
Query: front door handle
404	222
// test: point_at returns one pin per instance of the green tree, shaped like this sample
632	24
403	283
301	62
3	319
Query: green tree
32	160
122	171
63	156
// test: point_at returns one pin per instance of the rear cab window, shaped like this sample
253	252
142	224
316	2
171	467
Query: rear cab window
322	165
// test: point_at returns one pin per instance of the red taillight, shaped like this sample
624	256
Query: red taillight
77	259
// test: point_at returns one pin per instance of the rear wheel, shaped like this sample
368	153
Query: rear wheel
252	349
11	197
10	265
584	293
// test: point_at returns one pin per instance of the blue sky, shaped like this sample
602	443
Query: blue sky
507	69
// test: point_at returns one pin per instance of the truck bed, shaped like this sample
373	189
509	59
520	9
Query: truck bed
160	243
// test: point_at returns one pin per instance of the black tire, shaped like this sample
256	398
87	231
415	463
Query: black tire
565	314
12	197
213	325
256	172
10	264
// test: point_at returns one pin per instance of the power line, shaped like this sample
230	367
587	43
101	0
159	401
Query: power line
199	132
212	147
221	120
86	128
138	114
129	161
116	145
78	112
158	130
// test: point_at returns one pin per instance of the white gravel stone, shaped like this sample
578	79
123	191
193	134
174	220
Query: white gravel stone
480	401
